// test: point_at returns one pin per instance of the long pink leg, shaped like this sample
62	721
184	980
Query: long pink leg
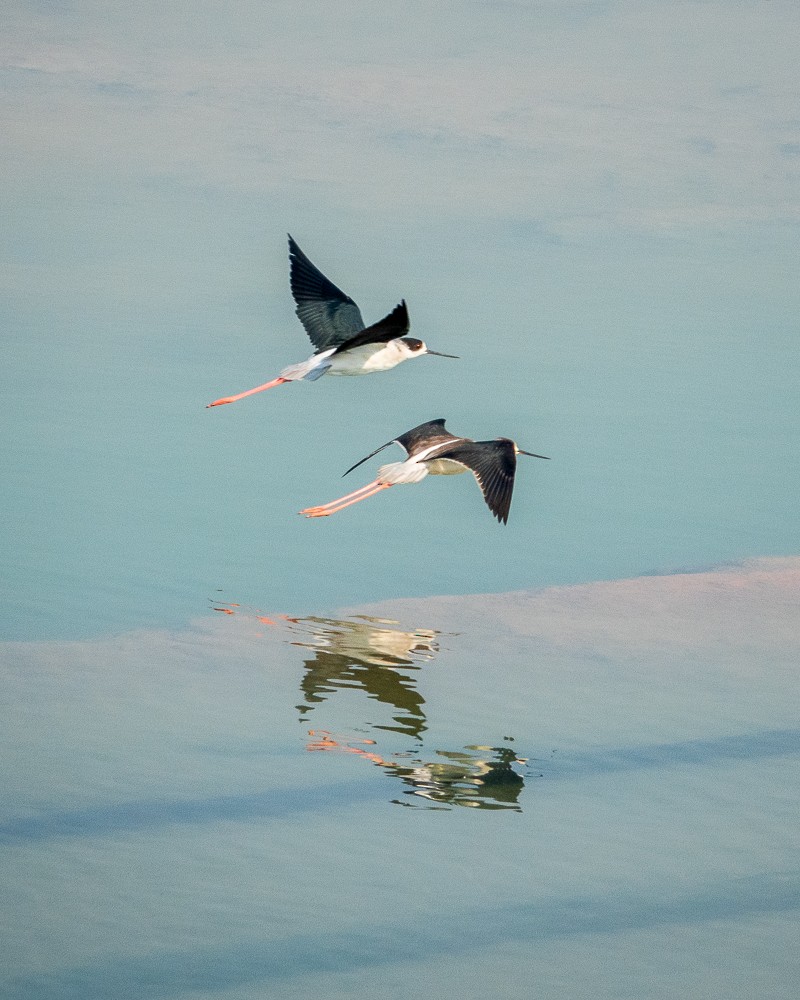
258	388
335	505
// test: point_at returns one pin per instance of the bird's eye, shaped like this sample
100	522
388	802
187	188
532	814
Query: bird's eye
413	344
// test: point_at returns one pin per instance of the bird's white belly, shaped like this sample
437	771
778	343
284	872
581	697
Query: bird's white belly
368	358
413	471
445	467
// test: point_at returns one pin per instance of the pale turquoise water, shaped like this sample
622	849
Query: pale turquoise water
665	389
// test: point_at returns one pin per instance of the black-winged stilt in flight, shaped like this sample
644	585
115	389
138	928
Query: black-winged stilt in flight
344	345
434	451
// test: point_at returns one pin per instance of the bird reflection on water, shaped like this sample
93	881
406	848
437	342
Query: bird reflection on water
466	778
462	777
363	653
358	654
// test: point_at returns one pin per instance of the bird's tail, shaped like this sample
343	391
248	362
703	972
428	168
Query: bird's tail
310	370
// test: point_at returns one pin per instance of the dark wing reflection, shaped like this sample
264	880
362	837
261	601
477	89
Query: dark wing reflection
480	777
360	654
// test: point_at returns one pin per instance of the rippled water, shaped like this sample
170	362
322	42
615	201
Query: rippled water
469	799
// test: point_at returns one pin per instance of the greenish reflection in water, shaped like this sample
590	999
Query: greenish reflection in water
371	655
469	777
361	653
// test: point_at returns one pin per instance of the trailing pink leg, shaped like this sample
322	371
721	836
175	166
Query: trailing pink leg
325	510
347	496
241	395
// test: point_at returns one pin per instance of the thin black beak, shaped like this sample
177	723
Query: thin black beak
530	454
440	355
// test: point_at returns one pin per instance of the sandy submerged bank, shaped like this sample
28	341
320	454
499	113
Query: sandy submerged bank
751	606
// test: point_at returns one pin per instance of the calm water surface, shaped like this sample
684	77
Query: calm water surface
469	801
247	755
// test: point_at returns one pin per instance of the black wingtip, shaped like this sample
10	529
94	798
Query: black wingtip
367	457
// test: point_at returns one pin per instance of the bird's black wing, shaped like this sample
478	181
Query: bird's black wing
396	324
494	464
329	316
425	435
